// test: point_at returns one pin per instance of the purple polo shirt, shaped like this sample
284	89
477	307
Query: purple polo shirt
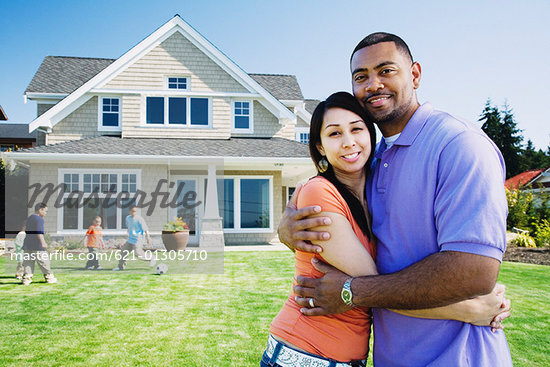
440	187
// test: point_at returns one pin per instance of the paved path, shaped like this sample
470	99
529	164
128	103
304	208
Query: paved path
266	247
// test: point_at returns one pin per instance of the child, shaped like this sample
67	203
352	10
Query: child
19	241
94	240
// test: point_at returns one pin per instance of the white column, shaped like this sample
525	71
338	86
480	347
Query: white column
211	236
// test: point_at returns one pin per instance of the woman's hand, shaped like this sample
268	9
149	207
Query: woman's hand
490	309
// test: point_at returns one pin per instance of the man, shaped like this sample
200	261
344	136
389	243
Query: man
439	210
35	246
136	227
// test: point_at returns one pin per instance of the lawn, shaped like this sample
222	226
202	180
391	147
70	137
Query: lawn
102	318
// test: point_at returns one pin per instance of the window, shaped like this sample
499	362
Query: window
189	111
109	113
177	110
302	134
71	182
155	110
242	116
100	190
245	203
255	211
177	83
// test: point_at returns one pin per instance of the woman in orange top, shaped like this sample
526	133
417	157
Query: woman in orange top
341	145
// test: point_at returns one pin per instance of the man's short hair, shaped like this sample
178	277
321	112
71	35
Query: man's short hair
39	206
132	207
379	37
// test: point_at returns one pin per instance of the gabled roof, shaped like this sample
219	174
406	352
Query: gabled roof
524	179
3	114
16	131
282	87
61	74
64	74
233	147
79	96
311	104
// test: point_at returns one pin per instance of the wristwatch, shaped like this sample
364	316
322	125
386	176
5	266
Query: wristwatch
346	294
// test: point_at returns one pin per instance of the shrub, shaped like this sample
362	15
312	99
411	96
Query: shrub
523	240
542	233
519	202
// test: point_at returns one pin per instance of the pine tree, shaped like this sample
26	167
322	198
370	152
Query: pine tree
502	128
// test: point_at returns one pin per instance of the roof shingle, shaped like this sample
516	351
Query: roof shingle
64	74
233	147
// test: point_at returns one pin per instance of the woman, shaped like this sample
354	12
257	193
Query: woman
341	146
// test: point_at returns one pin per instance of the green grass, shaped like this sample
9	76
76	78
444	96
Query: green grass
126	319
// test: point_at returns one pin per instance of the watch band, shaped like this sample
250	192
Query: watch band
346	294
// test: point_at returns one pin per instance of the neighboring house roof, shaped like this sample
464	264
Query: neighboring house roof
311	104
82	94
16	131
3	114
233	147
282	87
524	179
63	74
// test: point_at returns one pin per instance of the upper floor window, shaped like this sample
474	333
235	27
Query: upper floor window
191	111
109	113
177	83
302	134
242	116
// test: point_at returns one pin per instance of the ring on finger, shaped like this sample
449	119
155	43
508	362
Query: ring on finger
311	304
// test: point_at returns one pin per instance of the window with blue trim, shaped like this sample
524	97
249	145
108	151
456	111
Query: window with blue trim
177	83
241	113
110	112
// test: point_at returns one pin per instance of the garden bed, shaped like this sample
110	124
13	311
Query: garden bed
540	256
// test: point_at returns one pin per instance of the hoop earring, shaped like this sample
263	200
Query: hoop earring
323	165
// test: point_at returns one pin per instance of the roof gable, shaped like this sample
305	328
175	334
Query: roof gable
525	178
176	24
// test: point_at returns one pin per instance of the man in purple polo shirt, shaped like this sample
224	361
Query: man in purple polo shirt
438	205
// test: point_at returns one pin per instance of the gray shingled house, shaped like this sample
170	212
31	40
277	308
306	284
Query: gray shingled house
173	109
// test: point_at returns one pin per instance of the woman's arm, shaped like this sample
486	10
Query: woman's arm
345	252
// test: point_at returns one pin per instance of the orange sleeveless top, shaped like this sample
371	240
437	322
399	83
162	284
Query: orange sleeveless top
342	337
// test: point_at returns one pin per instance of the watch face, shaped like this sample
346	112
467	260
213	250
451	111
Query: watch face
346	296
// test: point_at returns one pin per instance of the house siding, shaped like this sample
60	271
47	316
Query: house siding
301	123
80	124
176	56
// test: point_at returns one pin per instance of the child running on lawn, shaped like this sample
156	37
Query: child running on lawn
94	241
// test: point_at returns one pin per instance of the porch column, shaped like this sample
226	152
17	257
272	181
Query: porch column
211	235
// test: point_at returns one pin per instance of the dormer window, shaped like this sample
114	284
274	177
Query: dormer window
109	114
242	117
177	83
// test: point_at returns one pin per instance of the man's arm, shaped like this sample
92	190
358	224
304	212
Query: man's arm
438	280
42	240
294	225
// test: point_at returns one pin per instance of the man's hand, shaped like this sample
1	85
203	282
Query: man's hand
325	291
294	225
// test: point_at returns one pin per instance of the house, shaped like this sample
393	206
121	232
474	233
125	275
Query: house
154	128
14	135
533	180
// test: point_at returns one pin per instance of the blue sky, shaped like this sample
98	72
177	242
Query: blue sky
469	50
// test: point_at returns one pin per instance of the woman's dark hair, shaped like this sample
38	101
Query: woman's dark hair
347	102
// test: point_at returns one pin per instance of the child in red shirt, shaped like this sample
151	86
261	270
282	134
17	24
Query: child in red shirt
94	241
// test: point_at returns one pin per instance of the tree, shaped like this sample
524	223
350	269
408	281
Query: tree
534	159
502	128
